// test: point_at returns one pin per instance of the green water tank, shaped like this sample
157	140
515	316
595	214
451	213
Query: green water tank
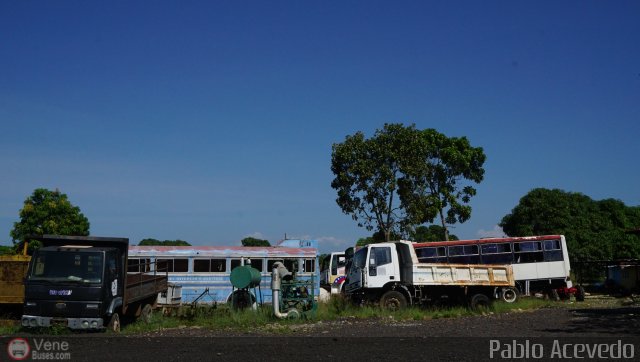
245	276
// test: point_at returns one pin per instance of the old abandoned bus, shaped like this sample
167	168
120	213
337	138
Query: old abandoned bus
540	263
203	272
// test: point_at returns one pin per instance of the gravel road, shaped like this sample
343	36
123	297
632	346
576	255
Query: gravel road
464	338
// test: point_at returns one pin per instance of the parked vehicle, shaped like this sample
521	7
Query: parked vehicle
81	282
540	263
203	273
333	272
13	269
391	275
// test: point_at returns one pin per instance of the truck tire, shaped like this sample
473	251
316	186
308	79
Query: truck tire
146	315
479	301
509	294
393	300
114	323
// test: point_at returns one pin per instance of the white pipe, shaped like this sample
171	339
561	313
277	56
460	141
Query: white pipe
275	296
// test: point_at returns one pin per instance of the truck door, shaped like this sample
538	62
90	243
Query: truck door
380	267
113	285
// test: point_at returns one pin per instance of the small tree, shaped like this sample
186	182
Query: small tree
49	212
249	241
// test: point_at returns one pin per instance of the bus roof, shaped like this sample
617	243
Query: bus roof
222	251
486	240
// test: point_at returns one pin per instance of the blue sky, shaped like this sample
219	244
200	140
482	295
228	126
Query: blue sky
210	121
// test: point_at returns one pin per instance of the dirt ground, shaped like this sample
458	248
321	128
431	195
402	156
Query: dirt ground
464	338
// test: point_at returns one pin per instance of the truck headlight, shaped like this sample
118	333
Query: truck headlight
85	324
33	322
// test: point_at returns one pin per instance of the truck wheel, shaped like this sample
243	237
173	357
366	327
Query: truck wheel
146	314
479	301
114	323
580	293
393	300
509	294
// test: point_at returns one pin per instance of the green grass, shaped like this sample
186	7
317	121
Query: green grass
221	318
249	321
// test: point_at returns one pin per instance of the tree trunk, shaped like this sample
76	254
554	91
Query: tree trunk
444	226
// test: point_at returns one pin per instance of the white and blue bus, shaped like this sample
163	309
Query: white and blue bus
203	272
540	263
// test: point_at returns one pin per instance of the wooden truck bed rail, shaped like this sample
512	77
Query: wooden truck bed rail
462	274
13	269
142	285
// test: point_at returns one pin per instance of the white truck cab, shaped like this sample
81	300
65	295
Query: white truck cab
373	267
390	273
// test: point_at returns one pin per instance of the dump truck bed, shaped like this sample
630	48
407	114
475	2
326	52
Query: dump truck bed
461	274
13	269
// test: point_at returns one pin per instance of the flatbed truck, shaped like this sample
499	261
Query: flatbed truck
82	282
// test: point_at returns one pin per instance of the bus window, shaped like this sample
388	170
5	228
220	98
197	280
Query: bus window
180	265
552	250
270	263
337	261
291	264
136	265
528	252
173	265
309	265
464	254
209	265
432	254
201	265
257	264
235	263
496	253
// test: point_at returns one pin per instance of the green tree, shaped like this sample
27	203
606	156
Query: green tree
431	233
249	241
48	212
402	177
151	241
6	250
595	230
439	171
366	178
377	237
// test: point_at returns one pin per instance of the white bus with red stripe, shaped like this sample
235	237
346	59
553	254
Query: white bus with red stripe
540	263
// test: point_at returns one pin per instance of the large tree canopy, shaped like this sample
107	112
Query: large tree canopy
366	179
49	212
595	230
403	177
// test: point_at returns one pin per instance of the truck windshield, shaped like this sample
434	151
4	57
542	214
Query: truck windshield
360	258
83	267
